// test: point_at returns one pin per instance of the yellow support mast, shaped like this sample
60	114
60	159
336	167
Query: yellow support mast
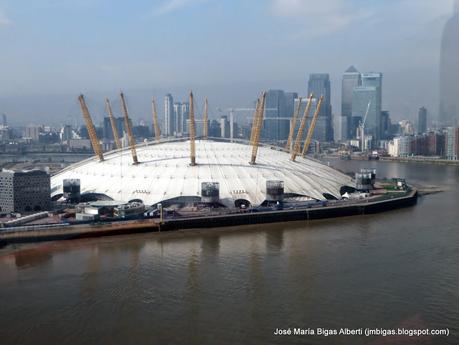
206	120
155	121
293	125
116	137
91	130
192	132
259	124
254	121
127	124
312	127
299	136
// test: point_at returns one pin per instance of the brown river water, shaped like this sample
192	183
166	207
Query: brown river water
392	270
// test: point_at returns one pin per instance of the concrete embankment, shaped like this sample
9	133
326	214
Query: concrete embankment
342	210
425	160
66	232
56	232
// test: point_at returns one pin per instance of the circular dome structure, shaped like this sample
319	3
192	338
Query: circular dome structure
164	173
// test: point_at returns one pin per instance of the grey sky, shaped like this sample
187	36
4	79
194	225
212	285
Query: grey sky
226	50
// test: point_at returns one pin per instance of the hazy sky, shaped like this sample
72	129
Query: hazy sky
228	50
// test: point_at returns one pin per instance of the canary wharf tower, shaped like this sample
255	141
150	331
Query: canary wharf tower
449	71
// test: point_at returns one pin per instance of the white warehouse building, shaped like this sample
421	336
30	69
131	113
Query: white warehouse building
164	173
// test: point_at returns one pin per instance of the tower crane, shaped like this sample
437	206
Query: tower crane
312	126
91	130
299	136
155	121
127	124
362	126
116	137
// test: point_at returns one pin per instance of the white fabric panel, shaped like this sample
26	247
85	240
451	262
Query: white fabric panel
164	172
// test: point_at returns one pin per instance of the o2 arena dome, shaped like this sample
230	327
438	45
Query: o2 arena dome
164	174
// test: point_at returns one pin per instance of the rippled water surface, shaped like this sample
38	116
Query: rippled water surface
236	286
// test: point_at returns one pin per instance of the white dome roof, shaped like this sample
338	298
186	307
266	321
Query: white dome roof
164	173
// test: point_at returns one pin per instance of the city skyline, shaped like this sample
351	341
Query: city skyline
229	172
44	85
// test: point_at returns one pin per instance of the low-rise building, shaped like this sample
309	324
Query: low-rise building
418	145
400	147
452	143
79	144
24	191
435	144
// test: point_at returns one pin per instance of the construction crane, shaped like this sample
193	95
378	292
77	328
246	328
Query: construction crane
299	136
91	130
116	137
155	121
192	132
293	125
127	124
312	126
206	120
259	122
362	126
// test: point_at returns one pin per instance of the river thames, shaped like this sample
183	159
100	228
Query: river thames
392	270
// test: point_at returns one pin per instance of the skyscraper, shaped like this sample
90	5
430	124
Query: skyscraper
317	135
169	116
385	125
224	127
351	79
185	116
290	98
422	120
4	121
449	71
319	85
178	118
361	97
370	91
214	129
372	79
66	133
289	103
107	131
275	123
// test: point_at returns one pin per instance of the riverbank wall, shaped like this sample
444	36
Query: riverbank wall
66	232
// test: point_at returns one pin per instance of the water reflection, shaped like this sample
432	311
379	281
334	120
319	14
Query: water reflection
90	280
239	284
274	240
192	293
210	246
32	257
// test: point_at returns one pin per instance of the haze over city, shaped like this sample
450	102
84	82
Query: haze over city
229	172
225	50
